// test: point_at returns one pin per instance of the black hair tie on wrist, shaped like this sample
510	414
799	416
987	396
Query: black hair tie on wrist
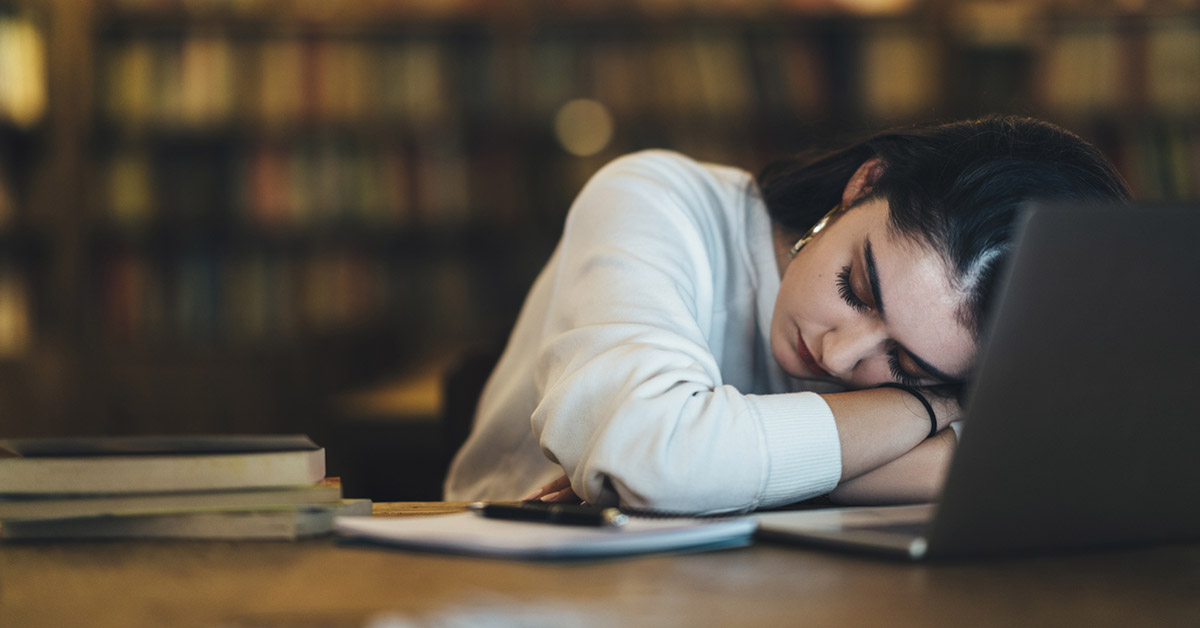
933	427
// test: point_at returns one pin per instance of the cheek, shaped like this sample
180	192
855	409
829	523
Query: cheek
786	302
797	290
783	322
816	303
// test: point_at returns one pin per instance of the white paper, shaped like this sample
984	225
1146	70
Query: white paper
470	533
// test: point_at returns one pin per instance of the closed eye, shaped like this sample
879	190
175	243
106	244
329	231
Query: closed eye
847	292
898	372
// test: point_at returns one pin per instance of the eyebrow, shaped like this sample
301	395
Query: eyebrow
932	370
873	279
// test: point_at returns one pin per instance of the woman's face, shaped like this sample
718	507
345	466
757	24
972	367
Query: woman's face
867	306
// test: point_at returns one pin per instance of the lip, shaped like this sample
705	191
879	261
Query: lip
808	359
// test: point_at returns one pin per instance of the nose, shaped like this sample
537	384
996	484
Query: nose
850	344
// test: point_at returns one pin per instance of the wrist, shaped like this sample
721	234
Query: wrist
923	398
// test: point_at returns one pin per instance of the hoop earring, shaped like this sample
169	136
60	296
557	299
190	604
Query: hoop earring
821	224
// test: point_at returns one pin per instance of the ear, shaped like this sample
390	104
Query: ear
862	181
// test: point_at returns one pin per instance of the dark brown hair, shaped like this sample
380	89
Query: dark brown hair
957	186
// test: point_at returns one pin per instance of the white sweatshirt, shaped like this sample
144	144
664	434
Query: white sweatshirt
640	364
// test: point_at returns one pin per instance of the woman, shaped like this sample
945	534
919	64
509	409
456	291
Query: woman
684	347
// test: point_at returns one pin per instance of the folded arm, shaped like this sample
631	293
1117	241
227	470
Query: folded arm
880	464
915	477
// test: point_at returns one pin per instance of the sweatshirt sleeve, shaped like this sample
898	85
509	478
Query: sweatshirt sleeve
631	399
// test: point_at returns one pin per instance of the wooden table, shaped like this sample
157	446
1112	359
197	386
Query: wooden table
320	583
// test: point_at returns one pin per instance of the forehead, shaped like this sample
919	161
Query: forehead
922	306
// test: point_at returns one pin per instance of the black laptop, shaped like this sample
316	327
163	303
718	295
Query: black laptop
1083	425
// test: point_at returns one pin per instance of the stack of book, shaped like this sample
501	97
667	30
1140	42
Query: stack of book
181	487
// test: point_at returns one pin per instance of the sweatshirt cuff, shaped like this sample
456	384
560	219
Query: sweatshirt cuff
804	454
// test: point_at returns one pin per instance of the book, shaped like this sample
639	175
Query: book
149	464
23	53
279	524
471	534
898	73
40	507
16	320
1080	72
1171	65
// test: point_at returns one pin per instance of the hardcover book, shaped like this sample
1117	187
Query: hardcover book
269	524
152	464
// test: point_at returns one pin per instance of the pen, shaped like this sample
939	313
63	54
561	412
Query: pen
552	513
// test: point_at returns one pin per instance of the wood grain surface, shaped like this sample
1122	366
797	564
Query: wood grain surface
324	583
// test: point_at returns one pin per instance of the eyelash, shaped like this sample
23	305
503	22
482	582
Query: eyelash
860	306
847	293
899	373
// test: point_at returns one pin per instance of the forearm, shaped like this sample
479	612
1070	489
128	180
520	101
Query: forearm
687	450
914	477
877	426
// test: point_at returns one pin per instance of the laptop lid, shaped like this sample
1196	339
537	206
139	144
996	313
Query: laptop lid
1083	426
1082	423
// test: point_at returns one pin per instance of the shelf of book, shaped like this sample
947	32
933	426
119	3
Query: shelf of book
247	176
842	69
23	98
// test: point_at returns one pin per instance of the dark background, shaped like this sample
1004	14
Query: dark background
289	216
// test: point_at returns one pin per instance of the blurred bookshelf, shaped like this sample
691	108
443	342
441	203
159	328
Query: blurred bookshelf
24	241
218	215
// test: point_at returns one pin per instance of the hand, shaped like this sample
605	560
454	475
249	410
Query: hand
557	491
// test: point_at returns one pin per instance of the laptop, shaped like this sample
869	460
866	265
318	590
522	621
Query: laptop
1082	428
